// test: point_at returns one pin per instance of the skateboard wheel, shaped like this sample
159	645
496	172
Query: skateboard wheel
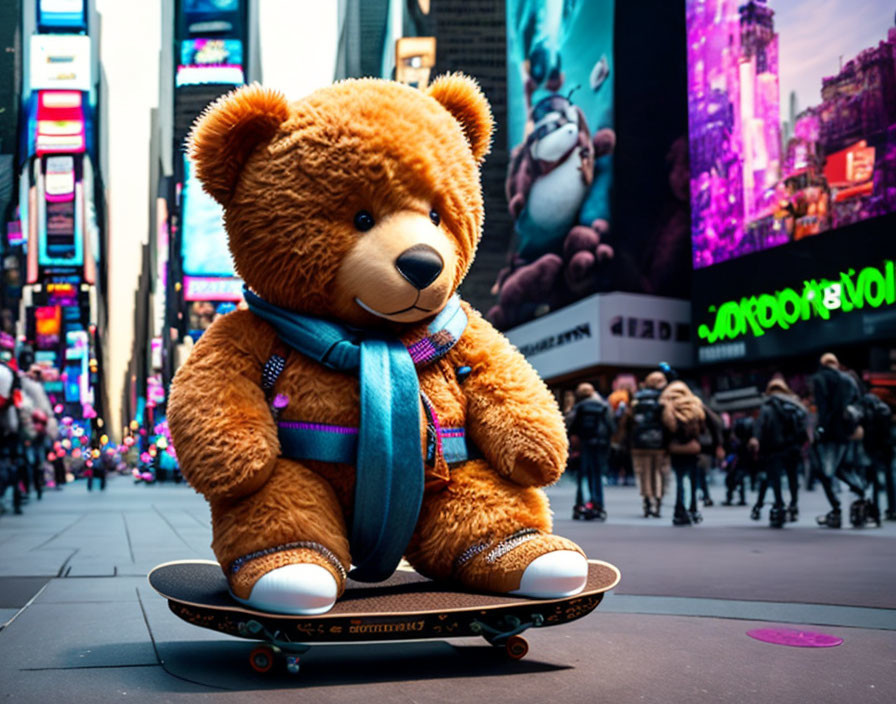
516	647
262	658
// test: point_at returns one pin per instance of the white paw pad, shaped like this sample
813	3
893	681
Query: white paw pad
554	575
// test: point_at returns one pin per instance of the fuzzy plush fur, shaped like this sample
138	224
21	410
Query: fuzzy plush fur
290	194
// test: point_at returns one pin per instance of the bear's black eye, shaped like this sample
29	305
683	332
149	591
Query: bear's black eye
364	221
434	216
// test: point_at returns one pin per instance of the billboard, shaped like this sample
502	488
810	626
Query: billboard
60	61
792	112
210	61
203	238
560	133
62	15
823	292
60	122
619	329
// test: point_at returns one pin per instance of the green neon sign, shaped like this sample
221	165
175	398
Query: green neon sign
872	287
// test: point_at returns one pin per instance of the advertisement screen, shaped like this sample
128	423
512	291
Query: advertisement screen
60	61
61	209
67	15
60	122
203	239
792	121
48	326
560	75
210	61
205	52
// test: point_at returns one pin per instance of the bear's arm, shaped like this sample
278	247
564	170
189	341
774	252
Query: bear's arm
222	428
512	417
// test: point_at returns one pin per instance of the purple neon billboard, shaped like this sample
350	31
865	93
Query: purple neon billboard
792	120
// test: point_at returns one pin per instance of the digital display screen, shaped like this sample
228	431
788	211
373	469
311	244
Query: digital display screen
792	121
203	238
205	52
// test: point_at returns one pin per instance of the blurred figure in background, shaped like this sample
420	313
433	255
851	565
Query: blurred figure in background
620	444
685	419
37	422
836	398
877	422
592	422
10	398
743	462
711	452
779	435
648	442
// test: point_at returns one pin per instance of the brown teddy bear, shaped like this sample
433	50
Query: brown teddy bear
359	411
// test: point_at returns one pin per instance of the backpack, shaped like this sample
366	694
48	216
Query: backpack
647	420
592	422
853	413
876	420
683	413
791	420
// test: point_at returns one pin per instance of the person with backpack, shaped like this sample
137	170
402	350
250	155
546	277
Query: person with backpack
10	398
779	435
648	442
684	419
742	464
591	420
839	417
877	442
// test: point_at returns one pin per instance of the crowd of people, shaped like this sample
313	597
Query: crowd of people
839	435
37	449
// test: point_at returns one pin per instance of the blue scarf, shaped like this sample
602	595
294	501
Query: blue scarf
389	474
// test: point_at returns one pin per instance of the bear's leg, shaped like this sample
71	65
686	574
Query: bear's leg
493	535
284	548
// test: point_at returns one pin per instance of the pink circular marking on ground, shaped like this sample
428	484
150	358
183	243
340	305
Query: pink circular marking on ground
795	638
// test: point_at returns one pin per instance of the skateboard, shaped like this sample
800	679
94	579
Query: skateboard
407	606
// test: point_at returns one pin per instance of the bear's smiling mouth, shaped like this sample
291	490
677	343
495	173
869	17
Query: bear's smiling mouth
377	313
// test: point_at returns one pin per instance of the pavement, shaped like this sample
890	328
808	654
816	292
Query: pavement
80	623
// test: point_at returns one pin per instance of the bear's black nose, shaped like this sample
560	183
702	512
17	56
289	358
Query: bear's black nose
420	264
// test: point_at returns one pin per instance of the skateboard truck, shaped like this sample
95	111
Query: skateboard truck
262	658
507	633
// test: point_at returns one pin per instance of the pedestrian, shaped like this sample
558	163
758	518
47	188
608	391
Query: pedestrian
684	419
839	415
779	435
877	421
10	395
620	444
711	452
648	442
743	461
592	422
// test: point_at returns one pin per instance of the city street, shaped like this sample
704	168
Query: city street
82	624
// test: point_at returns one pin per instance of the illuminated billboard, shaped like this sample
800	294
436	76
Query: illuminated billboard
60	122
203	238
210	61
64	15
60	61
792	121
60	213
47	326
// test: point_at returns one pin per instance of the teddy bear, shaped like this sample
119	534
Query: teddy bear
359	411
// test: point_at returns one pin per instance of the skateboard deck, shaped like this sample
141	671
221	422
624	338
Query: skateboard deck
407	606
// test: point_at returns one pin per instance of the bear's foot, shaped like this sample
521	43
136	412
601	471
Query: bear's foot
288	579
526	563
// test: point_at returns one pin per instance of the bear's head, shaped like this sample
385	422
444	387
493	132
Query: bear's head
360	202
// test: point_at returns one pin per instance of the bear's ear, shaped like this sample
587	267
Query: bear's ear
460	95
227	132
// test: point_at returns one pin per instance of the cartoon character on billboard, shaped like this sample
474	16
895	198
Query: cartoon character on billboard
558	179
